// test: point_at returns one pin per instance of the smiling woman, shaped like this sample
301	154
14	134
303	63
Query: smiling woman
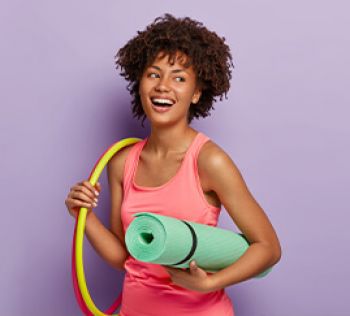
176	68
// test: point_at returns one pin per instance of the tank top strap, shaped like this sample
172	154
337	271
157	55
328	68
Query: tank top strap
200	140
191	174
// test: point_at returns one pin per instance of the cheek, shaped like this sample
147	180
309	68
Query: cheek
186	93
145	86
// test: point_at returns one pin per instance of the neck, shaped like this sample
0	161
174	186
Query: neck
165	141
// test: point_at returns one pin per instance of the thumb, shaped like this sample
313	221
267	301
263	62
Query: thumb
193	266
195	270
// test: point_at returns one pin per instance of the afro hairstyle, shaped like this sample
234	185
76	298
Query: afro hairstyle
206	52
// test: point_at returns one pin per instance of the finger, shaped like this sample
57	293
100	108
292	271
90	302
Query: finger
80	196
87	191
98	186
73	203
171	272
81	187
171	269
176	272
89	186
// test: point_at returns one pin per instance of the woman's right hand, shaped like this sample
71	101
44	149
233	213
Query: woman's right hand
82	194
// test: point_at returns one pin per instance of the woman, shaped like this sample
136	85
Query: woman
175	69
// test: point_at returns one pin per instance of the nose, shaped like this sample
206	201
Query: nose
162	85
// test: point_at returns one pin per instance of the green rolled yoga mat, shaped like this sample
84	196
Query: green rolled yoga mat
172	242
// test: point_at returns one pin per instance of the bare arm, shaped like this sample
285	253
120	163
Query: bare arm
108	243
105	243
225	179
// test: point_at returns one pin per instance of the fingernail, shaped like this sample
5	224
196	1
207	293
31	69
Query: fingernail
96	193
96	200
94	204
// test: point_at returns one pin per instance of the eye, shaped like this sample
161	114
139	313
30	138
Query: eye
152	75
181	79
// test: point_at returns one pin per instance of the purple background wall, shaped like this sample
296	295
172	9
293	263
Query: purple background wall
285	124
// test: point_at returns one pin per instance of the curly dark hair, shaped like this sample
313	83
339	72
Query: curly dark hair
207	53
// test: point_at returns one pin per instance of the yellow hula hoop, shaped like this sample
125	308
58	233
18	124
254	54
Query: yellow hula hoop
95	174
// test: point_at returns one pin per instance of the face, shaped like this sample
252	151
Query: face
167	91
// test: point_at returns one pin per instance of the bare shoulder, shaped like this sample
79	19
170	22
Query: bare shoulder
115	166
214	162
212	156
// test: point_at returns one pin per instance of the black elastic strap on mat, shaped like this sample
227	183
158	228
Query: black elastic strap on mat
245	238
194	244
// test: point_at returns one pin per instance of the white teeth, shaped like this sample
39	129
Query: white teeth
163	101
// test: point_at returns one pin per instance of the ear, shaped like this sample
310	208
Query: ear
196	96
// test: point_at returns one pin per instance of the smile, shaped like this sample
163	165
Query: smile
159	102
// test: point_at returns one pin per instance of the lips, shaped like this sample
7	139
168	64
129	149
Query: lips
161	109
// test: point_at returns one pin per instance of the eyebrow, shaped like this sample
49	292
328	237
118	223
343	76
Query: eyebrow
174	71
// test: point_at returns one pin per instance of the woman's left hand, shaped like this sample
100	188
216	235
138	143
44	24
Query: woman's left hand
194	278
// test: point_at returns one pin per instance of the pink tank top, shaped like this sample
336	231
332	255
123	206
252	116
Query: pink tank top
147	288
